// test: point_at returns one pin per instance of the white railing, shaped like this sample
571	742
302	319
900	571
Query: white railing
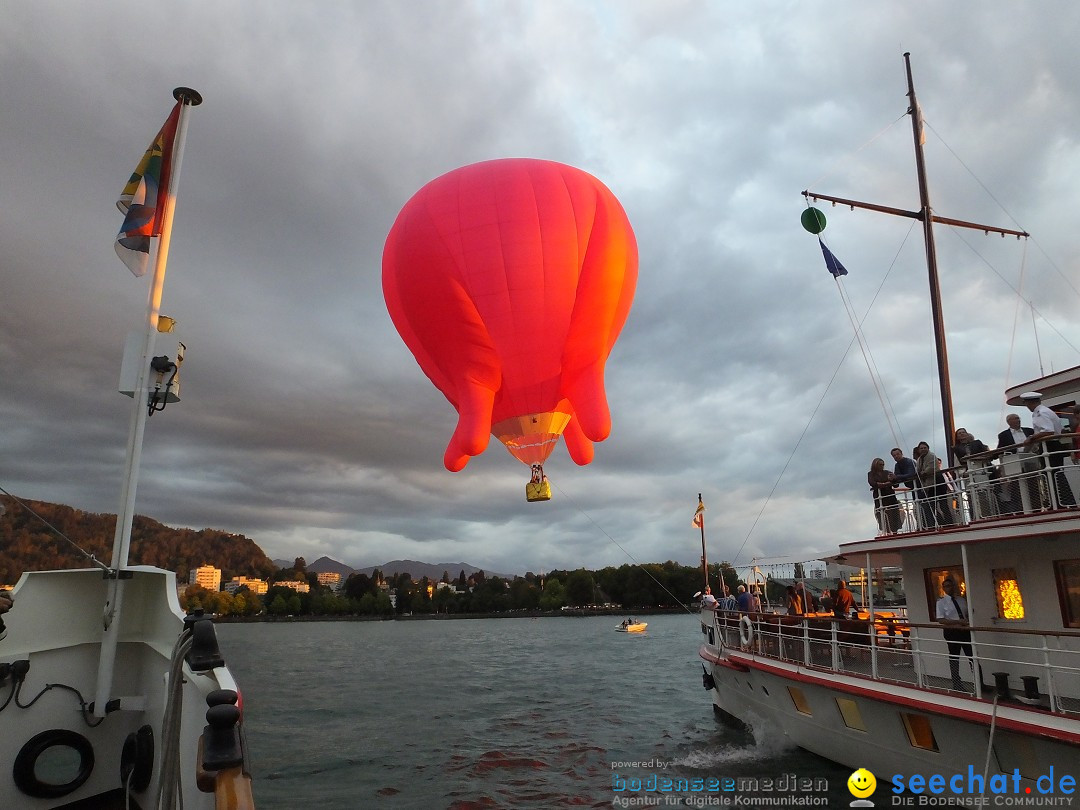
1039	669
1019	483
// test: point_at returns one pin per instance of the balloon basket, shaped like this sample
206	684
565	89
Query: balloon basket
538	491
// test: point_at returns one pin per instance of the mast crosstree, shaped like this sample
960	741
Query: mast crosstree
926	215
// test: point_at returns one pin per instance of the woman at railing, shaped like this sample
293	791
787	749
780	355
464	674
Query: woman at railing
886	507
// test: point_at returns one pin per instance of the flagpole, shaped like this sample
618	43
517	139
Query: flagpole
704	562
126	513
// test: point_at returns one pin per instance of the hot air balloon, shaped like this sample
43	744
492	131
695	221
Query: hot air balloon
510	280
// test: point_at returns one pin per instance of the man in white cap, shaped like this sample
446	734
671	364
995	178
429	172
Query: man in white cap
1047	425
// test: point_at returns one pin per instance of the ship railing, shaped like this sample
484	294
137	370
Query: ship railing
1036	668
990	485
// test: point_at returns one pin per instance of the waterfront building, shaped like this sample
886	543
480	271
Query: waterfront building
330	579
256	586
298	585
207	576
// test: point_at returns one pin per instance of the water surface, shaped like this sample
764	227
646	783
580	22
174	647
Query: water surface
479	713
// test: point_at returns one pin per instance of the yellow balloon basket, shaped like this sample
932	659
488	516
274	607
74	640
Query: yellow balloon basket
538	491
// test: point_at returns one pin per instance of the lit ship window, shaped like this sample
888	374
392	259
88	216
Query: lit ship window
920	732
1010	603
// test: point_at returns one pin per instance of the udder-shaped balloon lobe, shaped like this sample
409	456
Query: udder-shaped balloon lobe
510	280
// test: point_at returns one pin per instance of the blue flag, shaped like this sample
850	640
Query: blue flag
831	261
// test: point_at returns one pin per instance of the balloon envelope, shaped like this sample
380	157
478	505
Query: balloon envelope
510	280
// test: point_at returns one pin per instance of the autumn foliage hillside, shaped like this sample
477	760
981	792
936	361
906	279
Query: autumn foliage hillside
27	544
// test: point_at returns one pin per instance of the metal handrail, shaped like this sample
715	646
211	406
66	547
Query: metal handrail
979	490
800	640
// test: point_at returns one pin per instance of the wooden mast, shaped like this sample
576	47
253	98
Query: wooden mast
926	215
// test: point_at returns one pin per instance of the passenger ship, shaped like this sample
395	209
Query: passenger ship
876	692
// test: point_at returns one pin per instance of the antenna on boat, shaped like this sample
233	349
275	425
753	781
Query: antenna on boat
926	215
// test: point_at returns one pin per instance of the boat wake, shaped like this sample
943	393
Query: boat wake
739	747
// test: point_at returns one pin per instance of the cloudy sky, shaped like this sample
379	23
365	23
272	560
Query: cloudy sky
306	424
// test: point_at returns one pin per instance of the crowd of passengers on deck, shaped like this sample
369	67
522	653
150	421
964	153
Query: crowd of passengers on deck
1024	473
798	601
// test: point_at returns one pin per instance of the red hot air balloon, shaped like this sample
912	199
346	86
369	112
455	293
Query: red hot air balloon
510	280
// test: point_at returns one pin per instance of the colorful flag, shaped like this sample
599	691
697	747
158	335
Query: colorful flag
143	198
831	261
699	515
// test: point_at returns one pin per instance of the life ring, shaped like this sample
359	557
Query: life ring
746	631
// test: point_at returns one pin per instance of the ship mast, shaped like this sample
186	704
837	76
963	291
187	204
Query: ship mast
926	214
928	218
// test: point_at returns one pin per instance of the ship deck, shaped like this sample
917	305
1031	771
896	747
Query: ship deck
1039	670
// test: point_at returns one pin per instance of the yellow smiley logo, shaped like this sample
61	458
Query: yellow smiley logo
861	783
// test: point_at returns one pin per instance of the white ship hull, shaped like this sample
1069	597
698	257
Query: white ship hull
877	692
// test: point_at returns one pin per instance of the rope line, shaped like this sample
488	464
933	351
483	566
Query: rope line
563	493
94	560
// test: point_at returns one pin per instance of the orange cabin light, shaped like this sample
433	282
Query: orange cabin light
1010	601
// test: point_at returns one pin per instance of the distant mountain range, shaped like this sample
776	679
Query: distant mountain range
417	570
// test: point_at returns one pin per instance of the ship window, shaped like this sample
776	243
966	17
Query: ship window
1015	752
849	710
934	591
920	732
1010	602
799	699
1067	573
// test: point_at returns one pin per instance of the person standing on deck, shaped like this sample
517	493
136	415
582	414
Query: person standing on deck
744	600
728	603
826	601
1011	441
843	601
903	470
793	602
886	507
952	611
932	491
1048	425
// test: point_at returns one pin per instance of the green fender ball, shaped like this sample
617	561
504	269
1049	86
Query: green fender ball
813	220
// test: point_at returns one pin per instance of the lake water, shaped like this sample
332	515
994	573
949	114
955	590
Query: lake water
489	713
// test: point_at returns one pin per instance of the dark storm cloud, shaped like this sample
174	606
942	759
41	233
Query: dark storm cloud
307	425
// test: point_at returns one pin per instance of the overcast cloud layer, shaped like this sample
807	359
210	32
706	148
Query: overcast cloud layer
306	424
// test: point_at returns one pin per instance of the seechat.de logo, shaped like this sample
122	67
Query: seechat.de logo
861	784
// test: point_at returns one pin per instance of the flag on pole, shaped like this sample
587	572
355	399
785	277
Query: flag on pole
699	515
831	261
143	199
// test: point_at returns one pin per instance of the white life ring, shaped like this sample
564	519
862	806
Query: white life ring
746	631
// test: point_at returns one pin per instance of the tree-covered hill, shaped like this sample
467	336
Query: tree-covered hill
27	544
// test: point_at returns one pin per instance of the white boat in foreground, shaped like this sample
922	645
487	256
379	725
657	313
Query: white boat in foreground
879	692
171	723
110	697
